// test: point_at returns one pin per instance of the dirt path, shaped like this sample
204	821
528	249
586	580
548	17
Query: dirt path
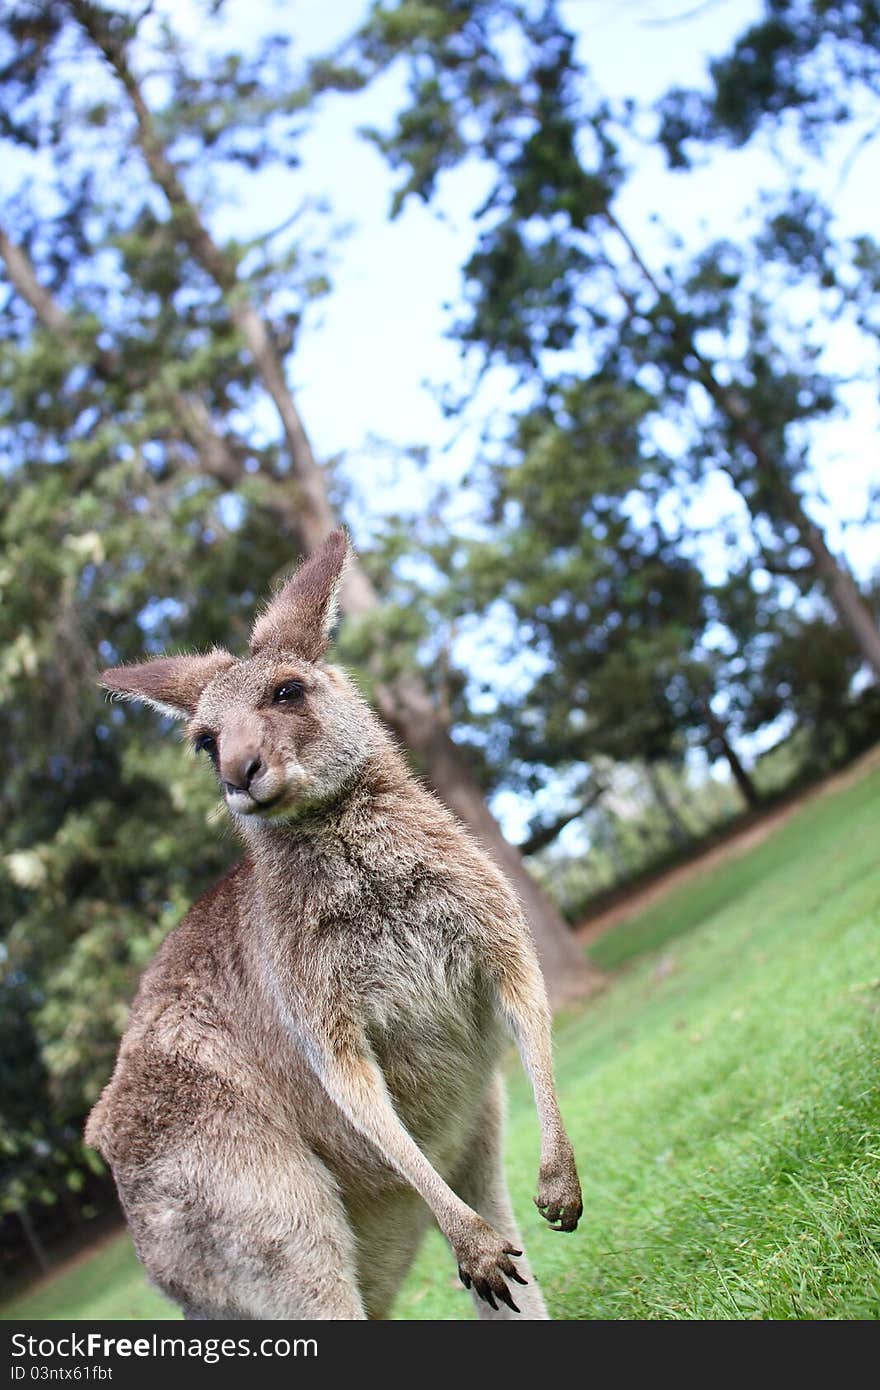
738	844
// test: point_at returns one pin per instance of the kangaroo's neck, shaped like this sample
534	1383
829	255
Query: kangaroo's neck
298	863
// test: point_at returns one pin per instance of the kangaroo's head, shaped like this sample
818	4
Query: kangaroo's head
283	729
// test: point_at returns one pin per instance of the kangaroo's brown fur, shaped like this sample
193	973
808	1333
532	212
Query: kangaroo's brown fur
311	1069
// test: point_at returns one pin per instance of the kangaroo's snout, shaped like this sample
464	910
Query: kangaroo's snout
246	774
239	768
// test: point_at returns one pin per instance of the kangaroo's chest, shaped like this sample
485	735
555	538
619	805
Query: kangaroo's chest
435	1031
405	943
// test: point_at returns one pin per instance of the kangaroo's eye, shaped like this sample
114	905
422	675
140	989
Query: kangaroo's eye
206	743
290	693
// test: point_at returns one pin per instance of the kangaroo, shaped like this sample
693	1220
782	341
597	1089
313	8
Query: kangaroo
311	1068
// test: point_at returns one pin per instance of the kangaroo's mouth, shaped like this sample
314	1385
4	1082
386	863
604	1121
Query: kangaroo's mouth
243	804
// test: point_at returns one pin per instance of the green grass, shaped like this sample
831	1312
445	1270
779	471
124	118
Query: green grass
723	1096
108	1284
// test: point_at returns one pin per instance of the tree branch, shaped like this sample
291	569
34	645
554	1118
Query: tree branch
835	573
544	834
315	515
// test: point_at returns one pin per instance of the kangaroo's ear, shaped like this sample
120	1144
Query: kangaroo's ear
300	617
171	684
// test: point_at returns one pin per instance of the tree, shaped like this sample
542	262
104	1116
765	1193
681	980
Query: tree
609	603
792	670
806	58
555	275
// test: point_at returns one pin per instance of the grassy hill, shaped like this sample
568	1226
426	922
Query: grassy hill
723	1096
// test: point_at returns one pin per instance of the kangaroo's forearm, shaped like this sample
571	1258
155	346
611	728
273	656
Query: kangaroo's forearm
522	996
353	1079
535	1048
356	1084
523	999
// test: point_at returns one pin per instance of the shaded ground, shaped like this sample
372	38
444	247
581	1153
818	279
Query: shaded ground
722	1093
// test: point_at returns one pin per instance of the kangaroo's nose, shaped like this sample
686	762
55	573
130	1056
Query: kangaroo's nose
239	772
251	769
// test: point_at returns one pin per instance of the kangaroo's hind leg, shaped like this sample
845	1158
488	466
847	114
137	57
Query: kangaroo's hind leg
388	1231
482	1184
259	1232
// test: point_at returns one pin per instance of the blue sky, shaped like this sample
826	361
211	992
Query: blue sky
369	354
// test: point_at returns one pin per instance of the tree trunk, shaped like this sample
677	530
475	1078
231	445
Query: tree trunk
845	594
189	412
37	1248
718	738
405	704
680	833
